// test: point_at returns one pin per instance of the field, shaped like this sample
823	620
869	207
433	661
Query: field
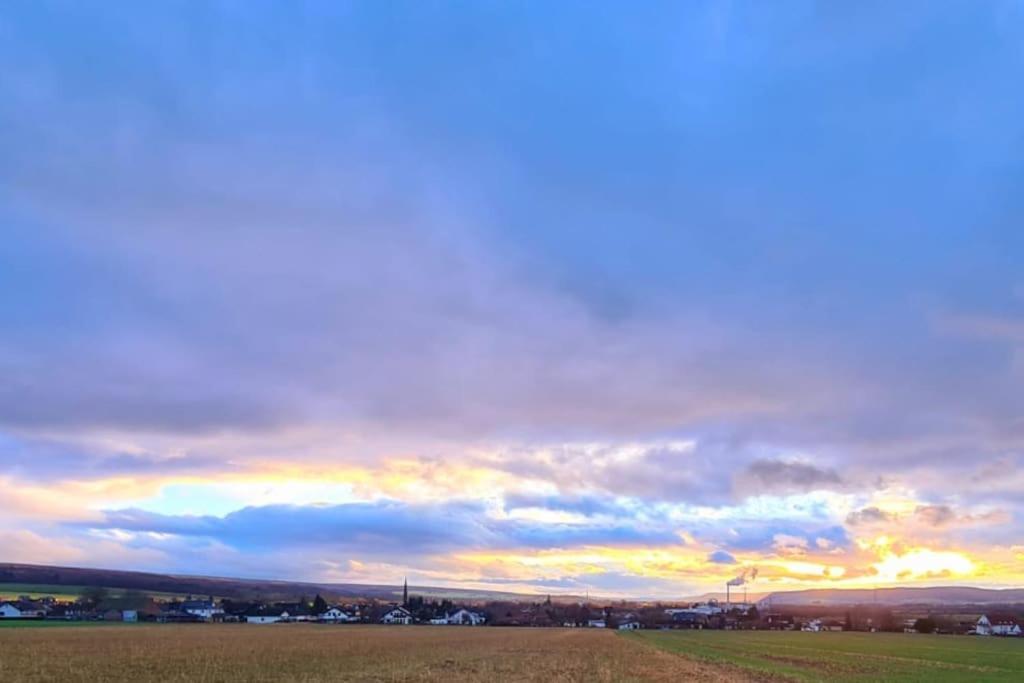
11	591
310	653
850	656
47	651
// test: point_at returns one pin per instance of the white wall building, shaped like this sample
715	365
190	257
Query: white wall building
397	615
335	614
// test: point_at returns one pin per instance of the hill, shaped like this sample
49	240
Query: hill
75	578
935	595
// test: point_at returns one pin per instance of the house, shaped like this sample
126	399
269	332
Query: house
22	609
998	625
464	617
9	610
780	622
397	615
335	615
596	623
690	619
204	609
297	611
629	626
177	616
129	615
812	626
266	615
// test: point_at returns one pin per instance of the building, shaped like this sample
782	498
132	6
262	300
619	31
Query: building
998	625
266	615
204	609
336	615
629	626
465	617
690	619
597	623
397	615
22	609
129	615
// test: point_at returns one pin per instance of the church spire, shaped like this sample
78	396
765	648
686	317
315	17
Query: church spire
405	593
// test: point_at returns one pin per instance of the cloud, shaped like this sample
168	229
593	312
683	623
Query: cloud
327	275
379	528
869	515
721	557
782	476
935	515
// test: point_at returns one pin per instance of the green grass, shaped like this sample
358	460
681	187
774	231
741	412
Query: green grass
9	591
50	623
850	656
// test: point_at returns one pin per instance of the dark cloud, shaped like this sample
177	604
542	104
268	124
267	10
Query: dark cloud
721	557
50	460
379	528
781	476
935	515
869	515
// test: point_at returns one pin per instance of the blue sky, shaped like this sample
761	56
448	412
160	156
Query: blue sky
562	296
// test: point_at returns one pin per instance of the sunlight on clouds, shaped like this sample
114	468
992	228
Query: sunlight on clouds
923	563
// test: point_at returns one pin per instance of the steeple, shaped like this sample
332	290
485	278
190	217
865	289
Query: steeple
405	593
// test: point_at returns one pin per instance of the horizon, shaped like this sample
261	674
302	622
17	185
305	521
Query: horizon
538	299
739	595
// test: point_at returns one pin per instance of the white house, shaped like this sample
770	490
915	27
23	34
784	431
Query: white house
204	609
997	625
464	617
814	626
597	623
397	615
21	610
629	626
9	611
267	617
336	614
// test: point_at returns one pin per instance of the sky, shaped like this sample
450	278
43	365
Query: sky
624	298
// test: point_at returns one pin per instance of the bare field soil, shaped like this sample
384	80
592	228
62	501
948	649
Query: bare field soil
310	652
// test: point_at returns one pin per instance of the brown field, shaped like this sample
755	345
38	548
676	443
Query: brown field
308	652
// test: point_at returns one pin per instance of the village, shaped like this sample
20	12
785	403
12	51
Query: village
101	605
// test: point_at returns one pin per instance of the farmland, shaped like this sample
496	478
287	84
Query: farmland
849	656
10	591
309	652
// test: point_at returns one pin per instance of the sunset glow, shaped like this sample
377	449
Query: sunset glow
515	298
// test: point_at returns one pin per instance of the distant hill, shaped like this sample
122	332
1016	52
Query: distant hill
938	595
21	575
239	589
735	596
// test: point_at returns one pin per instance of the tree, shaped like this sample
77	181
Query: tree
925	625
319	605
94	596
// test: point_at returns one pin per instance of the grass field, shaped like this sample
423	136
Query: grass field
311	653
10	591
49	651
850	656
